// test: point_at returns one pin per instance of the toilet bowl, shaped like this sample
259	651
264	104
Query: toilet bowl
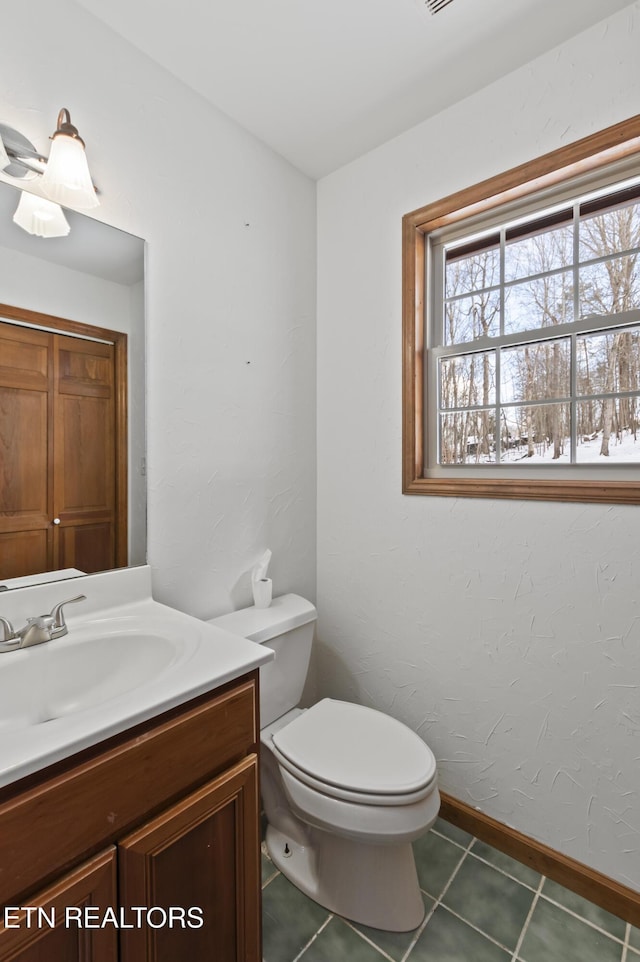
346	789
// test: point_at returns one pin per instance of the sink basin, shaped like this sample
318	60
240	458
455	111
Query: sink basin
126	659
55	679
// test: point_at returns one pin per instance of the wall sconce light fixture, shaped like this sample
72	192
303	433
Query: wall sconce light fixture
63	177
66	179
40	216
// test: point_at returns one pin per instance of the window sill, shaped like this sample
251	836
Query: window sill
594	492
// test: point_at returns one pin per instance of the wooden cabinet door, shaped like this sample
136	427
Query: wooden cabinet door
54	933
203	853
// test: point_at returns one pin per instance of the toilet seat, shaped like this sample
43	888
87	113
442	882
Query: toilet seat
356	754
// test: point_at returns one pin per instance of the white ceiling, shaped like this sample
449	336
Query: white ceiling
324	81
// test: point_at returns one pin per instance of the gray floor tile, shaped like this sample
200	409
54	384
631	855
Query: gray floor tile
436	860
587	910
448	939
289	920
489	900
553	934
452	832
338	943
523	873
395	944
495	907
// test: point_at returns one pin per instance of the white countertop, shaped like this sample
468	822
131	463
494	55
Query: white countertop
119	607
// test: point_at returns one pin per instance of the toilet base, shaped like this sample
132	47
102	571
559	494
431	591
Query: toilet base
375	885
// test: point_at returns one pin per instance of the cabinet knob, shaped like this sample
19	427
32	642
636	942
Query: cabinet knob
56	520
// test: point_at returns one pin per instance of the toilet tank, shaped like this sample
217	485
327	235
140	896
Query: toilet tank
286	626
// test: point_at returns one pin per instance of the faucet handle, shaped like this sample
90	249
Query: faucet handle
57	613
9	640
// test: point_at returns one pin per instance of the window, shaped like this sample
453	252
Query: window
536	339
522	331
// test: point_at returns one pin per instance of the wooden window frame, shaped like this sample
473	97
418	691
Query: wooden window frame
583	156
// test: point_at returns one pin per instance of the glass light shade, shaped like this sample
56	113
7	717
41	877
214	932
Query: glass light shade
41	217
66	179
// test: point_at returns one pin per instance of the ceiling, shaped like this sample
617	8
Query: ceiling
323	82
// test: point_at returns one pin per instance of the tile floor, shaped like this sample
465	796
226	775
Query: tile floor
481	906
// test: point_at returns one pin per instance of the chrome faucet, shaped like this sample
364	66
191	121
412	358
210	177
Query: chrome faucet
37	630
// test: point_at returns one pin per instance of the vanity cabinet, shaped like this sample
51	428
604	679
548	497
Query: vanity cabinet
43	935
145	847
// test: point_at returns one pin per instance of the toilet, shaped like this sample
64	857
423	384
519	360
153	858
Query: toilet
346	789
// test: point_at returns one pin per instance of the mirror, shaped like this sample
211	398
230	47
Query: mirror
94	277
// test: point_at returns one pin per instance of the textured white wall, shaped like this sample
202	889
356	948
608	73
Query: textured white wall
506	633
38	285
230	304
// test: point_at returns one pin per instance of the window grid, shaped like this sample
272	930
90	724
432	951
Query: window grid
485	345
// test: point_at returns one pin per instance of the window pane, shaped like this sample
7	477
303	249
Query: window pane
545	251
472	317
608	363
610	232
610	287
536	434
536	372
473	273
543	302
513	386
467	437
608	430
468	380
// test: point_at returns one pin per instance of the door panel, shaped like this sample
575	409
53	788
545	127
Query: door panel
92	885
25	452
23	438
84	468
85	484
87	547
24	553
202	853
85	367
24	358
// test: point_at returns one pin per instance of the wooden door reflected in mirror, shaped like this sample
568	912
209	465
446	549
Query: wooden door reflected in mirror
63	446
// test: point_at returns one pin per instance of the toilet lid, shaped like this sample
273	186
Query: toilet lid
356	748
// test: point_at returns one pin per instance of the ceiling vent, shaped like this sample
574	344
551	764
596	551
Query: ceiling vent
435	6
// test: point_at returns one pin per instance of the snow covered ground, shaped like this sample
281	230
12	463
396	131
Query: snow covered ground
622	450
625	449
